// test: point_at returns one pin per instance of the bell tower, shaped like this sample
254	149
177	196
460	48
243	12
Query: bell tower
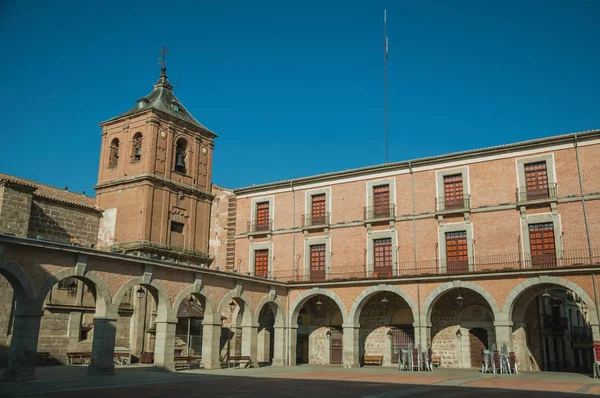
154	180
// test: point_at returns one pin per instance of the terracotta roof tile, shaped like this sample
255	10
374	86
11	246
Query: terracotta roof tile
53	193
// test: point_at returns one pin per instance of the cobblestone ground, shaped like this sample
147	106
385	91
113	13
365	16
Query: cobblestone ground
301	382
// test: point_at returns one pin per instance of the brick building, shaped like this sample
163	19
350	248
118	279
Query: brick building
474	250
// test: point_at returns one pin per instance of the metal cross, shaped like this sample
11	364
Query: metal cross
163	55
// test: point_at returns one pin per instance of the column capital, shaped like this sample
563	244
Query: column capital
503	323
350	326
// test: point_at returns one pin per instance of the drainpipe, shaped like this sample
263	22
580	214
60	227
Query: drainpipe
587	230
414	219
293	230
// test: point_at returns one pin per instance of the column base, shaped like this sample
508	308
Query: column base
17	374
99	370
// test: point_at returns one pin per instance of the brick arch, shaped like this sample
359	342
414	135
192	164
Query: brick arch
103	300
362	299
304	297
538	284
209	310
17	278
430	301
155	288
266	300
248	317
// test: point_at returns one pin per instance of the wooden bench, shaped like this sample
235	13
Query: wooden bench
239	359
373	360
78	358
122	358
188	362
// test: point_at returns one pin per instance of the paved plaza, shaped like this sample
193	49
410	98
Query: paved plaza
301	381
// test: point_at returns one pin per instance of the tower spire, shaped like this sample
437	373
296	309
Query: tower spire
163	80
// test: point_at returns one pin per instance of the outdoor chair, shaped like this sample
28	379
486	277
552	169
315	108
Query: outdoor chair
496	362
486	360
426	360
403	359
596	359
512	363
416	360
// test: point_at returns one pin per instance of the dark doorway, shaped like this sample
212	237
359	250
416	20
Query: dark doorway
336	347
302	349
478	338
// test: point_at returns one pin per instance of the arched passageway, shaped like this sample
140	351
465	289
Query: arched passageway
551	329
462	324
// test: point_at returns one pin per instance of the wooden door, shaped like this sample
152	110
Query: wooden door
536	180
453	192
336	347
478	340
317	262
261	263
381	201
541	240
457	254
382	264
262	216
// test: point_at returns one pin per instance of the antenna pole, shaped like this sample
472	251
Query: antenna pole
177	85
385	83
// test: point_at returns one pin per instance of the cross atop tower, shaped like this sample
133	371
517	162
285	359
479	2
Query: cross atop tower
163	56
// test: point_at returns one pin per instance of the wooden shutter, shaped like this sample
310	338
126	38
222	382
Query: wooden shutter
457	254
176	234
536	180
381	201
318	209
382	256
541	241
317	262
262	216
453	192
261	263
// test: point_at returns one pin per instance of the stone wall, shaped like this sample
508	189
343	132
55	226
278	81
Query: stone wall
6	302
219	217
15	207
61	222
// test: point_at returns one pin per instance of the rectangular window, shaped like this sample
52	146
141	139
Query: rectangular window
318	209
262	216
541	241
176	235
382	252
536	181
457	254
453	192
381	201
317	262
261	263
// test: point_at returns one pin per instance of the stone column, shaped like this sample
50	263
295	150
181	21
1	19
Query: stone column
73	329
350	343
293	342
422	334
211	345
24	341
103	347
250	341
279	346
164	346
503	331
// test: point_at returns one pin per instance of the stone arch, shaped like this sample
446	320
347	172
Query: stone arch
362	299
304	297
19	281
158	291
281	316
104	305
532	283
209	311
430	301
249	318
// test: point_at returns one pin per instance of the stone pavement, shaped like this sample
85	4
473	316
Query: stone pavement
304	381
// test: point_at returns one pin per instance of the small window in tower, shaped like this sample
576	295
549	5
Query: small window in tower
136	150
113	155
176	107
180	149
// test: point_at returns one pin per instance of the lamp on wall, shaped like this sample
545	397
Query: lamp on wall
72	289
328	333
190	300
384	301
546	296
459	299
458	334
232	305
140	293
319	304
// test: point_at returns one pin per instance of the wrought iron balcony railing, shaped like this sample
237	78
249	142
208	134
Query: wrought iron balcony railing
380	212
421	268
528	194
457	203
263	226
310	220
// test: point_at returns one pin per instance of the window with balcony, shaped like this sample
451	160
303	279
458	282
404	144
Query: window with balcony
536	181
457	253
453	192
542	244
261	263
318	209
318	262
382	261
262	216
381	201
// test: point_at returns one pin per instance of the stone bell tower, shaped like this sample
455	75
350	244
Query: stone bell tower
154	181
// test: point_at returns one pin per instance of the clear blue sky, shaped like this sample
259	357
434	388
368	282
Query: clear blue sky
295	88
